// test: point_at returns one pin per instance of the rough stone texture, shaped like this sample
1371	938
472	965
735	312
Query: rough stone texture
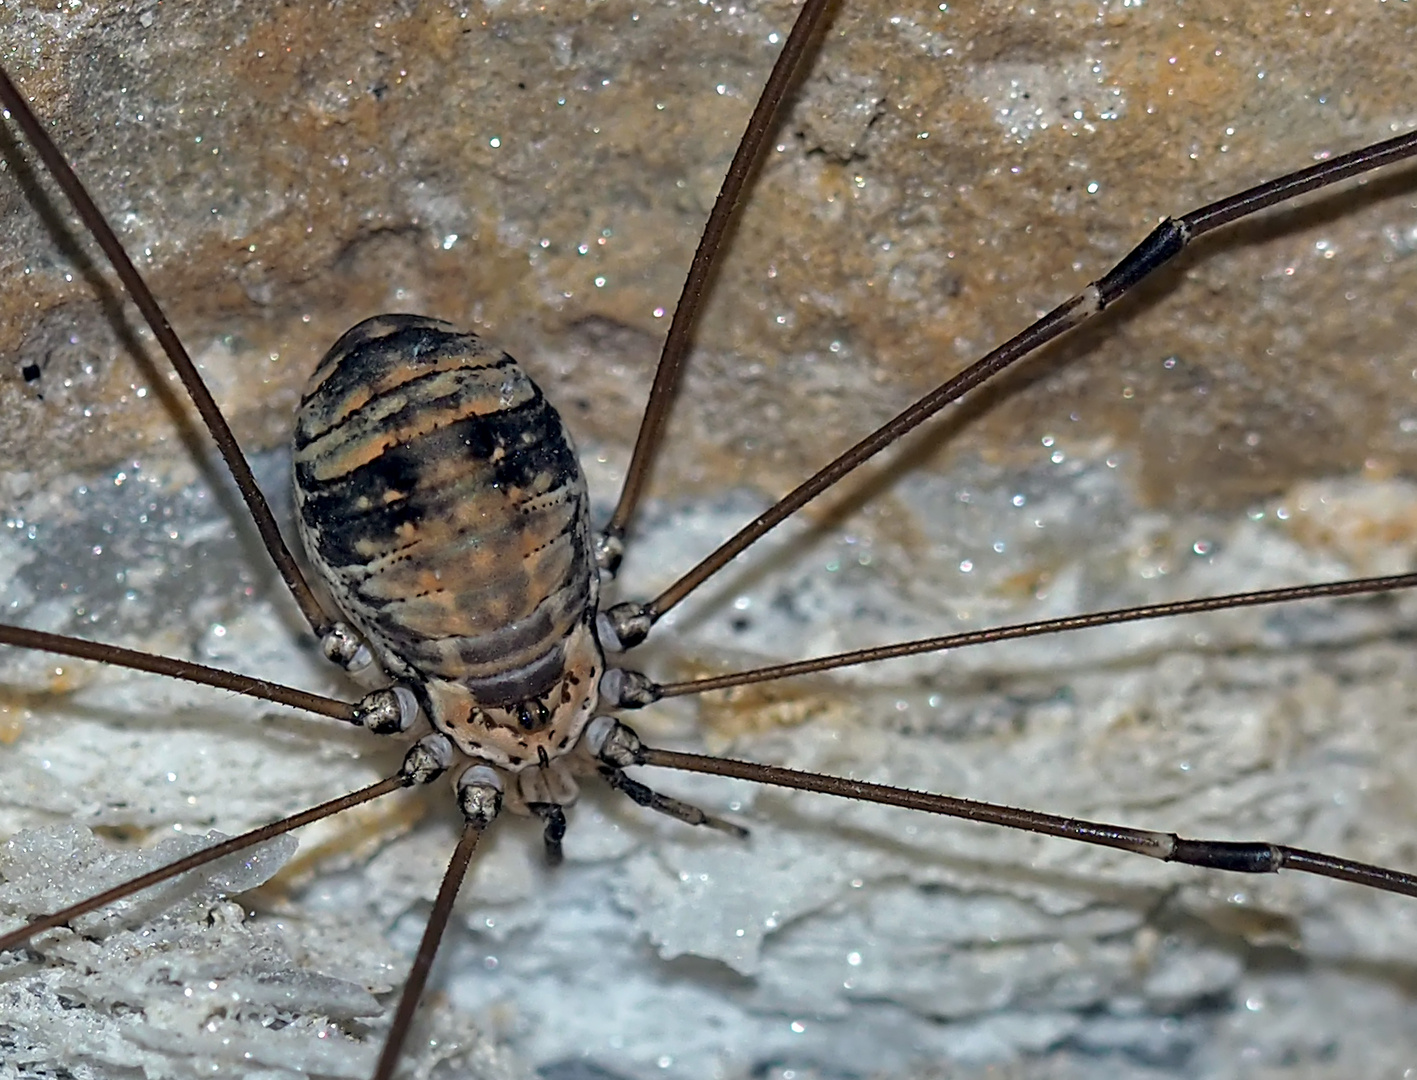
288	169
345	165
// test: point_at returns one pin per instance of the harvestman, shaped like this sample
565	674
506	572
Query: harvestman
631	622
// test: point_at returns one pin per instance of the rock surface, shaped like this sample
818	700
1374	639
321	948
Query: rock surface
944	176
284	170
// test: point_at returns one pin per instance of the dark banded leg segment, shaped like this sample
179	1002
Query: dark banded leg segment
616	746
553	817
664	804
1258	857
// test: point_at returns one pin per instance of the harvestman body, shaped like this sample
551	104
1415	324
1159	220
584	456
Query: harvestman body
440	497
521	710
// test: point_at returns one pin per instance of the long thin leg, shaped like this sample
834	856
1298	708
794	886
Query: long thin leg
618	747
424	762
98	227
481	802
639	691
631	622
390	710
676	345
15	938
1245	857
24	638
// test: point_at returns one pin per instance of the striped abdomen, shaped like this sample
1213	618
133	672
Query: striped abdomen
440	496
